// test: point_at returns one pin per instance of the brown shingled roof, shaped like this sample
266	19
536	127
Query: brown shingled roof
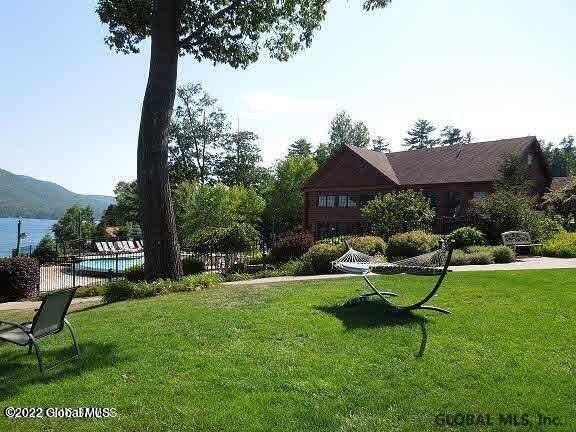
474	162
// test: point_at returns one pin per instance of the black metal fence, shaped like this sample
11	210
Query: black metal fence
94	268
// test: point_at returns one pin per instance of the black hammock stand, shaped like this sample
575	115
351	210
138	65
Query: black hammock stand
432	263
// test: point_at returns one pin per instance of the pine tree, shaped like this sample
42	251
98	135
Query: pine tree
381	144
301	147
419	136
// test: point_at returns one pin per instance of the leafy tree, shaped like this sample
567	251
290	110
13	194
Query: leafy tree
506	210
562	202
398	212
199	129
239	165
513	175
232	33
124	214
343	130
562	157
238	237
45	251
419	136
203	206
76	223
284	199
322	153
301	147
381	144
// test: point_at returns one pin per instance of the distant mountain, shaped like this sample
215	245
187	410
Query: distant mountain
27	197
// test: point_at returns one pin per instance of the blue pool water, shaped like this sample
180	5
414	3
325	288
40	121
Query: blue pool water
103	265
35	229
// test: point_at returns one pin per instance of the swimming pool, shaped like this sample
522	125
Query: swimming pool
105	264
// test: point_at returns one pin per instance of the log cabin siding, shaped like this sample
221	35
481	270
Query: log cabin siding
361	172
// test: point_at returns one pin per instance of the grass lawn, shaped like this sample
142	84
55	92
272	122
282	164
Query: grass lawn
285	357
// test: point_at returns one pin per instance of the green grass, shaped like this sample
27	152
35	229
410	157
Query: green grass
286	357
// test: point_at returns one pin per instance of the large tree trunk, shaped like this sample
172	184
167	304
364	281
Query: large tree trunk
161	249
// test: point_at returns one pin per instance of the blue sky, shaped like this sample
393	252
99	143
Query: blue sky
71	107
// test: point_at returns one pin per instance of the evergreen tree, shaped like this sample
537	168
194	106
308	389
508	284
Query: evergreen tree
322	153
301	147
381	144
419	136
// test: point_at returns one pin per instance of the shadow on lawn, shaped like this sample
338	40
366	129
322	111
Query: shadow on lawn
19	369
374	314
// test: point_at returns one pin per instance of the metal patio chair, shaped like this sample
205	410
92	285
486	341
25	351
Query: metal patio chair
50	319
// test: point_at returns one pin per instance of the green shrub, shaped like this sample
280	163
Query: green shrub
541	227
398	212
191	266
465	237
292	268
93	290
318	258
476	257
410	244
292	245
336	240
45	251
134	273
371	245
505	211
19	278
123	289
503	254
561	245
234	277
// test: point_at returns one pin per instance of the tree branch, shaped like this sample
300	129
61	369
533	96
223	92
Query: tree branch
208	22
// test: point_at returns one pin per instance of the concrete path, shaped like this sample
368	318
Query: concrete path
30	305
523	263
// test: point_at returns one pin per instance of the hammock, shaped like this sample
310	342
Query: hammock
434	263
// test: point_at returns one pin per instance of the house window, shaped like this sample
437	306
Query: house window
343	201
478	194
530	159
326	200
330	200
351	201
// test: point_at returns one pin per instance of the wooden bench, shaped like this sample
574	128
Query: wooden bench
518	239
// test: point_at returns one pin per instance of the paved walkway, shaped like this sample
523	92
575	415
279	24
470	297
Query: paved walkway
30	305
523	263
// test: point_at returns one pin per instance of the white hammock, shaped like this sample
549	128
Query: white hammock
355	262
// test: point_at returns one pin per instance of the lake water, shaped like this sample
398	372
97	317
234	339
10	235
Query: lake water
35	229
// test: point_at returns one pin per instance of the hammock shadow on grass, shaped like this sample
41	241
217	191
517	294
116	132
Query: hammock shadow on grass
19	370
374	314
